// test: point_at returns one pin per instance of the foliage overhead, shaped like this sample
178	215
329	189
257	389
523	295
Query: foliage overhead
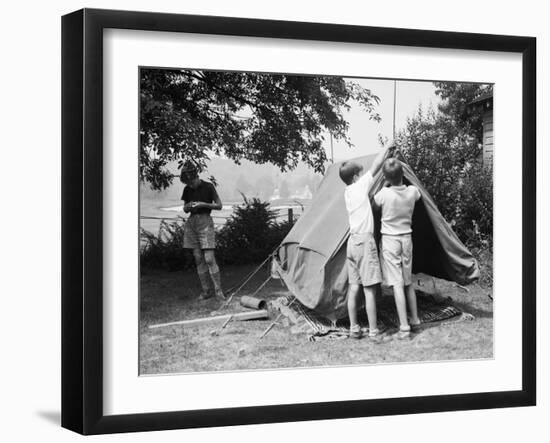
266	118
456	104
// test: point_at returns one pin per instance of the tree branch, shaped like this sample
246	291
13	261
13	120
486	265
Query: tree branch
228	93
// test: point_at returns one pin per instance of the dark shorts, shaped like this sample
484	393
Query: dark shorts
199	232
362	260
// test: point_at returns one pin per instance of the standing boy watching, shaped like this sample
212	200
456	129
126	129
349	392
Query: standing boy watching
200	198
397	203
362	255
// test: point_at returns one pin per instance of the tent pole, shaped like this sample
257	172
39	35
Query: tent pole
331	149
394	101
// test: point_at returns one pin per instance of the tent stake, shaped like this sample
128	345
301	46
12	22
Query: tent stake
217	331
270	327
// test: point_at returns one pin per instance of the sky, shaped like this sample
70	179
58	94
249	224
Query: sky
364	132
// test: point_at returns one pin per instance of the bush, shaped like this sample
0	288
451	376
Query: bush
484	256
164	250
251	233
473	219
448	163
248	236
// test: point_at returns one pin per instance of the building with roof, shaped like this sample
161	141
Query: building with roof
484	103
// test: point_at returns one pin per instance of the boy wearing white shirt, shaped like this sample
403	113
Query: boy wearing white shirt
397	203
362	255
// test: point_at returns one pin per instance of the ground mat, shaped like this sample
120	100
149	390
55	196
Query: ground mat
302	320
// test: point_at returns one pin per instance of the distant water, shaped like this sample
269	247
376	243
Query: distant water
152	215
179	208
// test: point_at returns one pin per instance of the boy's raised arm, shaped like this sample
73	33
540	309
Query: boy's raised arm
379	160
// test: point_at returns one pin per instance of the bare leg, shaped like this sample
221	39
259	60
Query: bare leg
214	270
411	301
370	305
202	271
353	293
401	305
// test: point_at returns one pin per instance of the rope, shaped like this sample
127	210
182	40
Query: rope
261	286
246	280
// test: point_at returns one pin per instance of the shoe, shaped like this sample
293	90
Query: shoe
205	295
415	326
379	337
402	335
355	333
221	295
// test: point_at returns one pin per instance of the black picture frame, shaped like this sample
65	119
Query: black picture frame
82	218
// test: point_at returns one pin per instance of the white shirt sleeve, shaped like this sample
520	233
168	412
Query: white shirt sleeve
416	194
365	182
379	197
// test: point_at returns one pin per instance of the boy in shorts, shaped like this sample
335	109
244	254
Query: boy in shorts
362	255
397	203
200	198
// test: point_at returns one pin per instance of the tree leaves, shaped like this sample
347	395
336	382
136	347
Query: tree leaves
456	100
266	118
447	160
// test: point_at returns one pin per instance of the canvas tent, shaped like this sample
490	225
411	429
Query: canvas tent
311	259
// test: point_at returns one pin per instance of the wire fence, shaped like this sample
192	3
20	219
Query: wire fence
287	213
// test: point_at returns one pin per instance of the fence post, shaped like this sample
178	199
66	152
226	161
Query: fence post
291	216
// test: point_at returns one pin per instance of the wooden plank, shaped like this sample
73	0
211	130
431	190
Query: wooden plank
488	158
239	316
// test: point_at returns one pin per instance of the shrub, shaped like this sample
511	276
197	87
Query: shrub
448	163
164	250
251	233
484	256
473	219
248	236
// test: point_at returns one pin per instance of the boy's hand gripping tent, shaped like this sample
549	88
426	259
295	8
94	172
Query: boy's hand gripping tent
312	258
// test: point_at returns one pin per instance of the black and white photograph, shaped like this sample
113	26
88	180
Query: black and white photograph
271	222
302	221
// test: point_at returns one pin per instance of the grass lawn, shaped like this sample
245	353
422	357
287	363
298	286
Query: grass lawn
172	296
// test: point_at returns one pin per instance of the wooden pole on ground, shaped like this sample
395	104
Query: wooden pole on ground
240	316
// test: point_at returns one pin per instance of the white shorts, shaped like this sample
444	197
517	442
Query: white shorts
396	259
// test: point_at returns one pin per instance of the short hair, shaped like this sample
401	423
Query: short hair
393	171
189	169
348	170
